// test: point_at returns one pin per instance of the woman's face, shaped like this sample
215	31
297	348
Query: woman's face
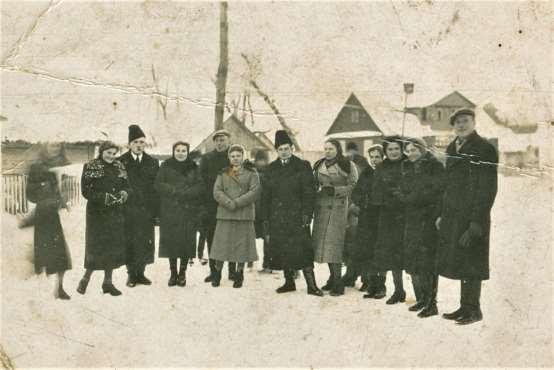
109	155
330	151
235	157
413	152
394	152
181	153
53	149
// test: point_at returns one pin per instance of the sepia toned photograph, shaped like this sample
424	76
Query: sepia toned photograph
276	184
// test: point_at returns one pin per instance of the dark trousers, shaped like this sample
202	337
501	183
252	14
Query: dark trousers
470	293
398	283
425	287
210	232
265	263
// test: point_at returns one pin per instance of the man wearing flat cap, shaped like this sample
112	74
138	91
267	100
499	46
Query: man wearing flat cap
288	200
211	165
464	219
142	207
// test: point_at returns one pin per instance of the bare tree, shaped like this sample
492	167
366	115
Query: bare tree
221	80
271	103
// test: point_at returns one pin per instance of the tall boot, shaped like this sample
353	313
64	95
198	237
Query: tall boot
309	276
399	294
232	268
329	284
349	278
418	284
381	289
173	272
239	276
182	277
213	270
338	285
473	312
431	304
372	285
366	282
290	285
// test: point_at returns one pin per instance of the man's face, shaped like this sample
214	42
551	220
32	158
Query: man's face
464	125
284	151
221	143
137	145
375	158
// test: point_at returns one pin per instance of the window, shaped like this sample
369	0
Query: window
355	116
439	113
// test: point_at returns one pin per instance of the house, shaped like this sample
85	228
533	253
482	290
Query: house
240	134
437	115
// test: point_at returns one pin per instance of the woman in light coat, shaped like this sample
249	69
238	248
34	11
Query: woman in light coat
236	190
335	177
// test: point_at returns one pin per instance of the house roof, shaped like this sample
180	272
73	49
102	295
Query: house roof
455	99
343	126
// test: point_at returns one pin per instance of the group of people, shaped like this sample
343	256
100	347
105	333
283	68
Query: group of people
404	210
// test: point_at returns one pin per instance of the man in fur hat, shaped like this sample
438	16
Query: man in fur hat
464	222
210	166
142	207
288	198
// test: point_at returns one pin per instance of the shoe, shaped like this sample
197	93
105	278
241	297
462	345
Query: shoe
397	298
309	276
172	279
338	288
182	278
61	294
380	293
143	280
131	280
82	287
328	285
454	315
209	278
429	310
265	271
239	279
417	307
289	286
470	317
216	278
110	288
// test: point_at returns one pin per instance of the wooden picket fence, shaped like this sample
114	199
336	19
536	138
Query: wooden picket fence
15	200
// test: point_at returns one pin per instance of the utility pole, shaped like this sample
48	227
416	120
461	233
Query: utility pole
408	89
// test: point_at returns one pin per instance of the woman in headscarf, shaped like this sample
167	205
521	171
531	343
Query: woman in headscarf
335	177
388	250
105	185
182	193
236	190
421	189
45	190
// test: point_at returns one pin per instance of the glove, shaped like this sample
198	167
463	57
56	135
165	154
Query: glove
474	231
328	190
306	220
123	196
231	205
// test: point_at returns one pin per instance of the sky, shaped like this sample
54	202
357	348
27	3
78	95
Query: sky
83	71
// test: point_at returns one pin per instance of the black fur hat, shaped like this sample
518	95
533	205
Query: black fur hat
281	138
135	132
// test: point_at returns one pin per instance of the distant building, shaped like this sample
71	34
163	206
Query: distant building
240	134
437	115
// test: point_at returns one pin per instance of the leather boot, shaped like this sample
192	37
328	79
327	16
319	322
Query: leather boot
309	276
239	279
470	316
431	303
111	289
397	297
182	277
471	300
131	279
172	279
82	287
216	278
232	268
338	285
290	285
381	289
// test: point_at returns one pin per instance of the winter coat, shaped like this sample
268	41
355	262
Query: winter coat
368	217
105	222
288	194
258	223
211	165
388	252
142	209
361	162
331	212
471	186
50	248
242	190
421	190
182	194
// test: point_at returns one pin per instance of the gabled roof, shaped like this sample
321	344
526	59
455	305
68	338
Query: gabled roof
365	123
455	99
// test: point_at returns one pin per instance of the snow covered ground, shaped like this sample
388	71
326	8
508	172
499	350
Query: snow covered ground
200	326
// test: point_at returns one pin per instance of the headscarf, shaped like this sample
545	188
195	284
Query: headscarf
343	162
182	167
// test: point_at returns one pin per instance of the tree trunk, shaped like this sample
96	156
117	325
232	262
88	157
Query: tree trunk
221	81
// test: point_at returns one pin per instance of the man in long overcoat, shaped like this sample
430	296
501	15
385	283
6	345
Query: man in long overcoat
211	165
142	207
464	221
288	198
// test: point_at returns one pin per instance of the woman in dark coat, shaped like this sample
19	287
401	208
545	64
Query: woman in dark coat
44	189
182	193
335	177
104	184
388	254
236	190
288	197
421	189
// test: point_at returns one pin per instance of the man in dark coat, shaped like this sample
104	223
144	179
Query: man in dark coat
261	161
142	207
211	165
464	221
288	198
